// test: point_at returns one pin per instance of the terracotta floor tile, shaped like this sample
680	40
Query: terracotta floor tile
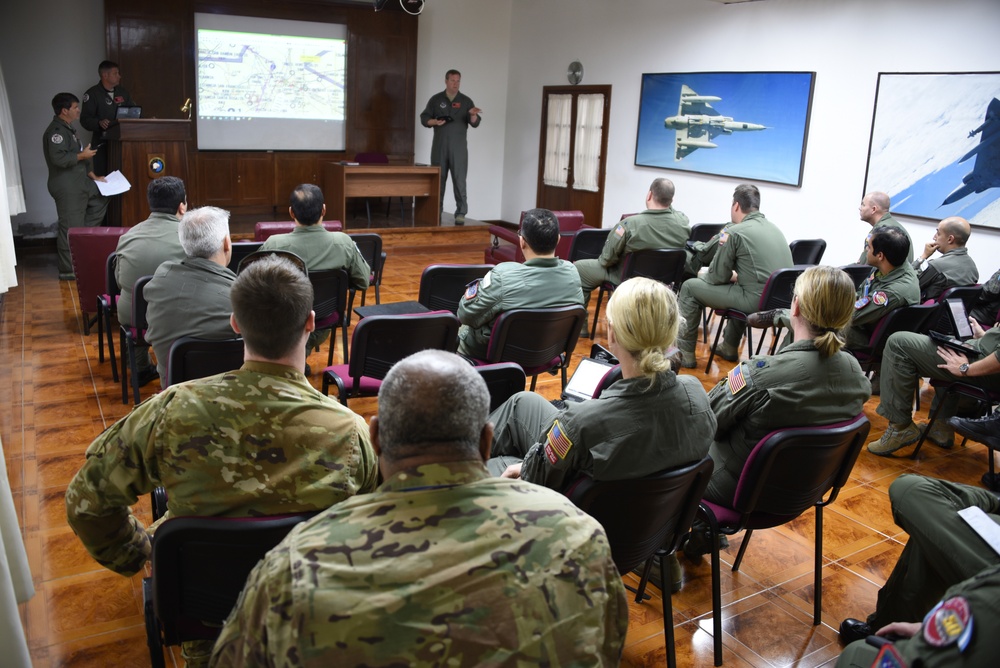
841	535
798	639
62	554
58	470
121	648
75	612
845	594
875	562
61	439
67	411
866	506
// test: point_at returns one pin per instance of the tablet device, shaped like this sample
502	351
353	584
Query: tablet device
584	381
954	344
959	318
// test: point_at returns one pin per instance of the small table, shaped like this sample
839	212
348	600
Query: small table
395	308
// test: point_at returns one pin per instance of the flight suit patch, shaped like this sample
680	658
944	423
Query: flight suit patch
949	622
86	97
57	139
619	230
880	299
557	444
456	105
736	380
472	290
723	238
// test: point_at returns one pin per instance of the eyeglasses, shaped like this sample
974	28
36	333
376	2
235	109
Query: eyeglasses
256	256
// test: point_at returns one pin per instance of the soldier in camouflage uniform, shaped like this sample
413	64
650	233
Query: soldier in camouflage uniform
659	226
542	281
257	441
443	564
753	248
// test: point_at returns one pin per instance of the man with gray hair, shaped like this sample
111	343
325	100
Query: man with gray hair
190	297
443	564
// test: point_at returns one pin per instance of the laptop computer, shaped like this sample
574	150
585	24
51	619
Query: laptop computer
129	112
960	321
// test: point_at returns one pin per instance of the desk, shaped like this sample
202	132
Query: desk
423	183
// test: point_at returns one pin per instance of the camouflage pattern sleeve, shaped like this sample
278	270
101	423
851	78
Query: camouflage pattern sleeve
120	467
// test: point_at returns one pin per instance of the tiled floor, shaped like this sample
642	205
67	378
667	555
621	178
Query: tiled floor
55	397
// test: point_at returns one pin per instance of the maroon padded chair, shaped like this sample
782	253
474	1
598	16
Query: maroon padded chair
90	247
263	230
788	472
505	246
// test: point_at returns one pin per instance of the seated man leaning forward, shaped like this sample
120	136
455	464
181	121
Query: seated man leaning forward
659	226
257	441
543	281
954	267
750	250
809	382
908	358
319	248
942	550
190	297
442	564
649	421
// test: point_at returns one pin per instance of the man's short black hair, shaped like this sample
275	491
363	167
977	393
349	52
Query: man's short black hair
891	242
540	229
307	204
165	194
748	197
107	66
63	101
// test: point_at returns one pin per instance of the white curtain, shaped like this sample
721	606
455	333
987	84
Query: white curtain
11	192
557	127
587	158
15	578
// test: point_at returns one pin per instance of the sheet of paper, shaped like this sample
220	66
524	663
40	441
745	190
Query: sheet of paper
115	183
983	525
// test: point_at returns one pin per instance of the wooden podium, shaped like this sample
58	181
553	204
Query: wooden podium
138	147
341	182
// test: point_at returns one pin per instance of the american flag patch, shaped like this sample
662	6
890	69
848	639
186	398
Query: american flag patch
620	230
557	441
723	238
737	381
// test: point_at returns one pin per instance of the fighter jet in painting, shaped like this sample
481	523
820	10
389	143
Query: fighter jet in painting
986	171
697	123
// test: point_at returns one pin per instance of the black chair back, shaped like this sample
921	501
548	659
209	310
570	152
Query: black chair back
442	285
588	242
534	338
647	514
503	380
665	265
779	288
807	251
132	336
330	303
379	341
240	250
191	357
941	321
704	231
904	319
199	566
107	304
370	245
858	273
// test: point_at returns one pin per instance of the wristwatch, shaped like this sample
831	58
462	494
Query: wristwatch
964	369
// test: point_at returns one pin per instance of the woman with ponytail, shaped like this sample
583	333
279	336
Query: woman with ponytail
648	421
809	382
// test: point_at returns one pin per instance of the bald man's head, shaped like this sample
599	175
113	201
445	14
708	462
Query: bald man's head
874	205
955	231
432	403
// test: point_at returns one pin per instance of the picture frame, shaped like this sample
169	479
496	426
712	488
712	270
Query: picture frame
746	125
931	146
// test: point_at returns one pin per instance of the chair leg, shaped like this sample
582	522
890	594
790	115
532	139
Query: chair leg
133	365
534	379
743	548
718	334
368	210
333	345
706	320
111	346
818	575
100	330
668	614
153	640
123	349
930	421
597	312
343	336
640	592
713	526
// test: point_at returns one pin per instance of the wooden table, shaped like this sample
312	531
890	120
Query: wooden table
423	183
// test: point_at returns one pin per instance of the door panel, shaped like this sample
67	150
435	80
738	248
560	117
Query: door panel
571	115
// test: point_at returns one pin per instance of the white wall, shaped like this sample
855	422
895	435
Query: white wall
847	43
473	37
46	47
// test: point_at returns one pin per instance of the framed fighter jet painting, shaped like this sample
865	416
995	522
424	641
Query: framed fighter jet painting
935	145
749	125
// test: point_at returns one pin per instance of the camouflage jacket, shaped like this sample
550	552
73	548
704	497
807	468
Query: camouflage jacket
443	565
258	441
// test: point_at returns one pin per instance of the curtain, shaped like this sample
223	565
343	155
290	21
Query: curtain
587	157
557	127
11	192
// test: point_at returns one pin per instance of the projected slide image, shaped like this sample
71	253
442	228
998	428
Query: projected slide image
250	75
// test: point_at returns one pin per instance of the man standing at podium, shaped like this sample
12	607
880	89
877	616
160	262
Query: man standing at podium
451	114
71	178
100	109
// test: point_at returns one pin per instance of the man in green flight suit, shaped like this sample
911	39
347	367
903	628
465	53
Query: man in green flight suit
659	226
319	248
543	281
451	114
954	268
71	178
256	441
443	564
942	551
874	210
100	110
750	250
